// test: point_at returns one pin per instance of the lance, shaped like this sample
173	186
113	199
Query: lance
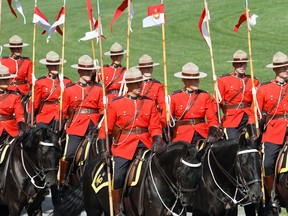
61	77
216	90
167	111
0	16
33	72
254	92
128	36
105	113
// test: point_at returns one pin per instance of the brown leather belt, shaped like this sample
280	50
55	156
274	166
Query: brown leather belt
19	82
6	117
136	130
86	111
112	91
51	102
240	106
277	117
192	121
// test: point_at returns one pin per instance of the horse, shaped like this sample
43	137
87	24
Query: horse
220	184
30	167
159	190
250	166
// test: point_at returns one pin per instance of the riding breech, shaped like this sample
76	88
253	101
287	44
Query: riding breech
233	133
271	151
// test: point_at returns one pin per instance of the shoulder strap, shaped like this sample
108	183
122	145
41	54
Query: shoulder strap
278	101
4	97
135	116
239	90
188	107
80	101
115	78
150	87
19	65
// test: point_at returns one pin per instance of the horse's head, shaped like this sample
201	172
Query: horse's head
41	144
250	167
188	175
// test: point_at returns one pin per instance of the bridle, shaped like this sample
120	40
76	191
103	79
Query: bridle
48	144
176	189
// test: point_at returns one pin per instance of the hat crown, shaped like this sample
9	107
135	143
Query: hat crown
85	60
280	57
116	47
133	73
52	56
240	55
190	68
15	39
4	71
144	59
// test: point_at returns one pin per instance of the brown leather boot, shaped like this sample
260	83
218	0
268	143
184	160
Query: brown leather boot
268	182
64	167
117	195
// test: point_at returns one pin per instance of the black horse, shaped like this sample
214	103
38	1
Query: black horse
160	189
221	187
250	167
29	169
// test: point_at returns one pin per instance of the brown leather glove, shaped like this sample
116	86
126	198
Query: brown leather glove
158	144
214	134
102	150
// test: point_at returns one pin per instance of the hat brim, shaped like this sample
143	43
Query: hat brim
135	81
201	75
43	61
240	61
16	46
115	54
145	66
8	77
85	68
275	66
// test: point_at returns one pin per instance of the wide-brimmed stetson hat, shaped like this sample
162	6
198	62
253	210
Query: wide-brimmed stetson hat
190	71
85	62
52	58
15	41
239	56
133	75
5	74
146	61
279	60
115	49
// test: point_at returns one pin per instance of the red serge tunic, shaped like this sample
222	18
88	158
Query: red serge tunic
229	85
120	111
48	90
203	107
94	101
10	105
22	67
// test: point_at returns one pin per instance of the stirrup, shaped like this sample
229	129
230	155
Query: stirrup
275	204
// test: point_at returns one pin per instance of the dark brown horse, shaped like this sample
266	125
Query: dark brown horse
30	168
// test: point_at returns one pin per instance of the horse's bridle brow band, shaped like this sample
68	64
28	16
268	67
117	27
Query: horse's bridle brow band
46	143
247	151
190	164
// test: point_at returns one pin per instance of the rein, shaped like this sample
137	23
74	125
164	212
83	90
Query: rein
231	179
176	190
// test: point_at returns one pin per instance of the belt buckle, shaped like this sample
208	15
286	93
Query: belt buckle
137	130
88	111
285	115
241	105
193	121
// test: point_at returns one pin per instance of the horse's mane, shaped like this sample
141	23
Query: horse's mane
32	138
177	145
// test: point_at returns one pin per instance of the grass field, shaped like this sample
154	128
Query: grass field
183	40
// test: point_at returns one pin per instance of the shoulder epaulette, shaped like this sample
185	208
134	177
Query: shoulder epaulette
66	78
106	65
265	83
177	91
117	98
97	84
13	92
5	57
70	84
224	75
25	58
156	81
201	91
42	77
145	97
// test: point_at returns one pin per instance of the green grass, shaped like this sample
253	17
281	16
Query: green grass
183	40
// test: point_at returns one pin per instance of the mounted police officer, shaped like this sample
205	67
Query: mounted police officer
18	65
11	110
133	122
83	104
114	72
272	100
236	92
190	106
47	92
